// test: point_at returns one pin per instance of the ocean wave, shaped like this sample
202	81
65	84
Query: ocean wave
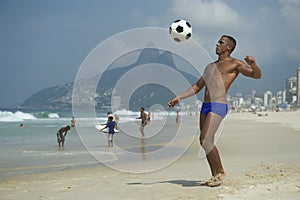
46	115
53	115
126	113
19	116
124	116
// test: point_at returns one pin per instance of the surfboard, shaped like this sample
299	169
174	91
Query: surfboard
99	127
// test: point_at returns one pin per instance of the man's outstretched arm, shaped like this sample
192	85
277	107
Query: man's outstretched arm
194	89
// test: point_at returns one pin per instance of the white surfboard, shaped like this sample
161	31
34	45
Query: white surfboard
99	127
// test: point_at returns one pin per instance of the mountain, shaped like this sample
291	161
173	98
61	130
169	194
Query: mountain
52	98
60	97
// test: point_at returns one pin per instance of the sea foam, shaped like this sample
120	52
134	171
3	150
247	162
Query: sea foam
18	116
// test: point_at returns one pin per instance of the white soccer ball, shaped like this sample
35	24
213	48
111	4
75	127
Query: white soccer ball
180	30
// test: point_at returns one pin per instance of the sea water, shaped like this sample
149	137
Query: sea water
33	147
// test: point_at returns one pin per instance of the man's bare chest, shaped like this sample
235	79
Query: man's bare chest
226	68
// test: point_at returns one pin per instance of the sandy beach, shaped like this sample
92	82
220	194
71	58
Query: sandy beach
260	155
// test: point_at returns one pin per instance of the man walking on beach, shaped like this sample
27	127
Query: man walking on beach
217	78
143	117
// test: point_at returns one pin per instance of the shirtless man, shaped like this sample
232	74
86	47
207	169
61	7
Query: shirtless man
61	135
217	78
143	117
73	122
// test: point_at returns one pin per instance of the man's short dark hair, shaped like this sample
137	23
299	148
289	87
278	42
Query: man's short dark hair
232	41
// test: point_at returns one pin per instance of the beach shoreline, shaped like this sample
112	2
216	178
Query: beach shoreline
260	156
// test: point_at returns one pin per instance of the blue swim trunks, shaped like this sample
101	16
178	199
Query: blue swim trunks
215	107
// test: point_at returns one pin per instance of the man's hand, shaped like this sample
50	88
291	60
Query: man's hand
256	72
250	60
173	102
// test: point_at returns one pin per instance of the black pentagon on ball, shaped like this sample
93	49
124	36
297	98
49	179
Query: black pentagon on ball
188	24
177	20
188	36
179	29
170	30
177	40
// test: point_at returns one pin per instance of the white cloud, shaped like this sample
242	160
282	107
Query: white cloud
141	20
289	2
293	53
153	21
291	12
269	31
136	14
203	13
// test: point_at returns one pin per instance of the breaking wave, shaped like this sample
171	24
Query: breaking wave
19	116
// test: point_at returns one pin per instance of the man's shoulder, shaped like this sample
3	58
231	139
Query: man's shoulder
236	60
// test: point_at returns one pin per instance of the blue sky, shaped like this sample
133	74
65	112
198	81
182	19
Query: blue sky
43	42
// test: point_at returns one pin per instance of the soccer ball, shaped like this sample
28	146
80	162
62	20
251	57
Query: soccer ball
180	30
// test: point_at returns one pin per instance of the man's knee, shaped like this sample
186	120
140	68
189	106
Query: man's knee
206	144
202	139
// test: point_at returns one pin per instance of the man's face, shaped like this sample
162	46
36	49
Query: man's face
222	46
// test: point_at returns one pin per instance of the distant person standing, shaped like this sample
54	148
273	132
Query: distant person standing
177	117
61	135
143	117
73	122
115	119
111	130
